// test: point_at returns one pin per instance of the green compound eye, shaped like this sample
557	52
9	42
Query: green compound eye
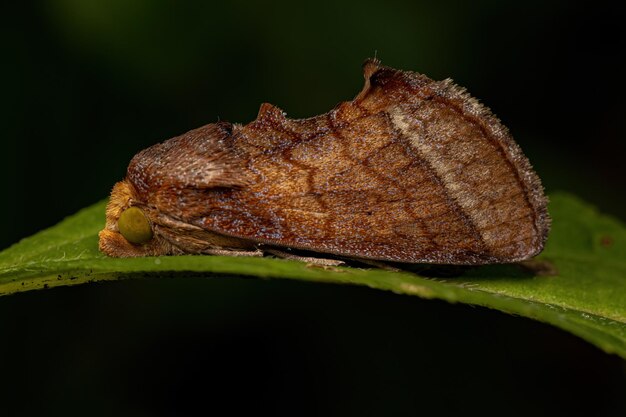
134	225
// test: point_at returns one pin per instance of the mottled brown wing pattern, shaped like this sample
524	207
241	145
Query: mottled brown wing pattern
372	200
403	173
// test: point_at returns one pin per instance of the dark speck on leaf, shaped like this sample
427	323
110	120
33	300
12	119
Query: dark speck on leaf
606	241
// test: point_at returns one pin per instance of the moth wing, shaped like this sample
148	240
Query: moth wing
412	170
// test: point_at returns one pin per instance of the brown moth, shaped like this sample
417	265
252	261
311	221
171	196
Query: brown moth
412	170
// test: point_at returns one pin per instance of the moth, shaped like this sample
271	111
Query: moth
412	170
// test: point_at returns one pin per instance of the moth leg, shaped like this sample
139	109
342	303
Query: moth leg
232	252
308	259
377	264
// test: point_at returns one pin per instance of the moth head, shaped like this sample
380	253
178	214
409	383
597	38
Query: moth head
129	230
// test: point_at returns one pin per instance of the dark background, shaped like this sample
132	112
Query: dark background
86	84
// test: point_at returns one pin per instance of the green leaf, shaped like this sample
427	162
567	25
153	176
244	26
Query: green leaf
578	283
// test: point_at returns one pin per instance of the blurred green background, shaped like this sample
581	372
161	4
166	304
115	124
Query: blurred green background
86	84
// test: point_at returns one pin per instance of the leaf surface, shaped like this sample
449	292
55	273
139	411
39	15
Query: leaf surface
578	283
